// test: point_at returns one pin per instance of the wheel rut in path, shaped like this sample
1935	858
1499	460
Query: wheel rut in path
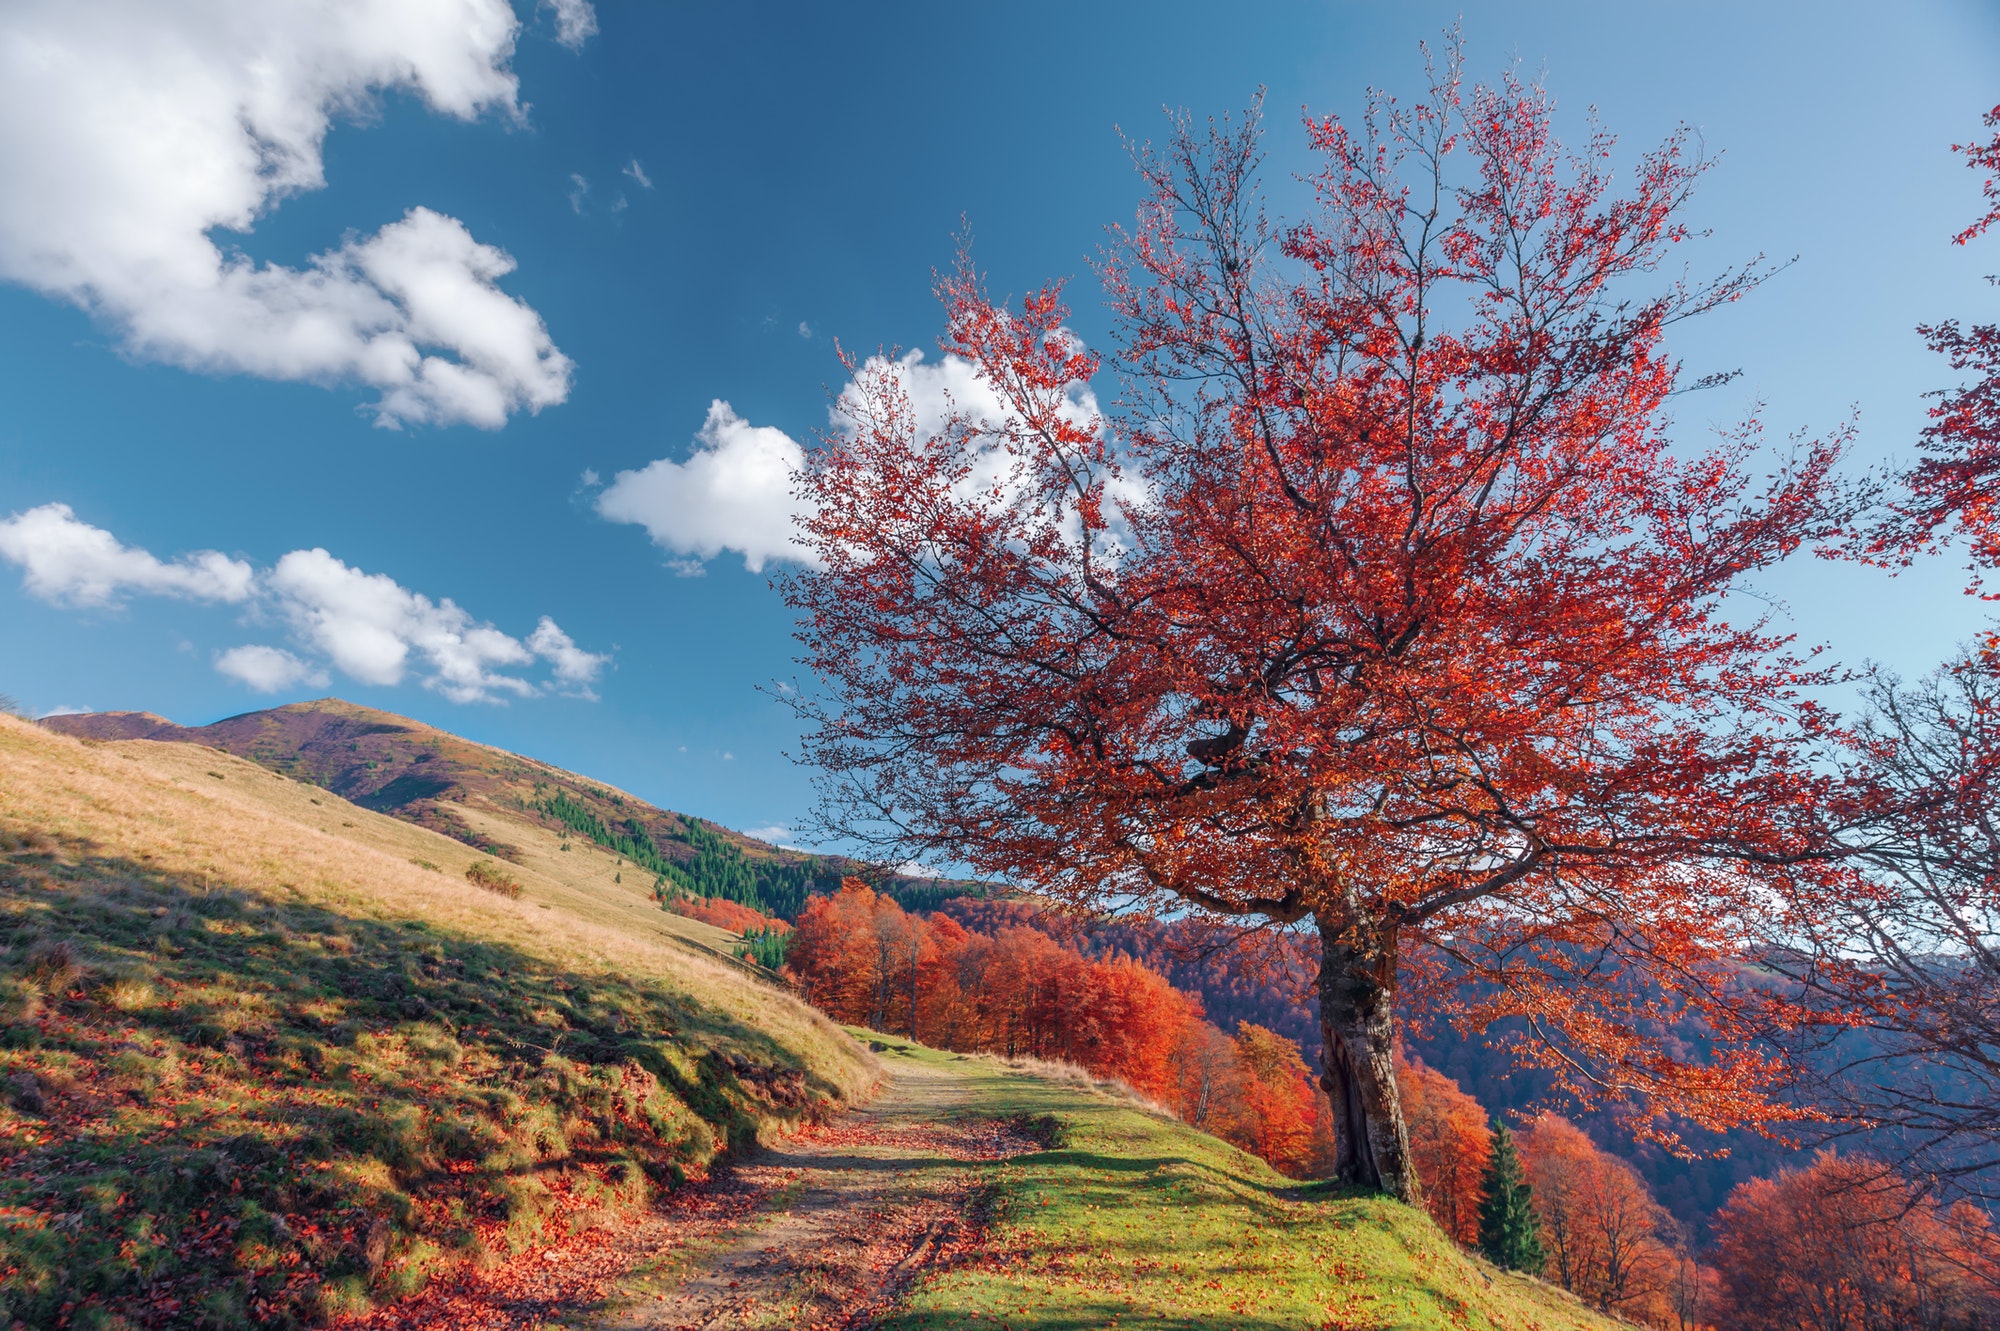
822	1231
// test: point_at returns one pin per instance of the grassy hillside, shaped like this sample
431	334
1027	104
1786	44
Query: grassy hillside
265	1054
483	797
1132	1219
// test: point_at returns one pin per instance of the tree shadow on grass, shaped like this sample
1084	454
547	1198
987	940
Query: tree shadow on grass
222	1109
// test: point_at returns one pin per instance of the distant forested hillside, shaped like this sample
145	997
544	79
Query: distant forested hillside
717	868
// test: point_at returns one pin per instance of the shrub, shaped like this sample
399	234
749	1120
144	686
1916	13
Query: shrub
487	874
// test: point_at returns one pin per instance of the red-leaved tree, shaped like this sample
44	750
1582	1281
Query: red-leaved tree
1380	603
1921	815
1608	1242
1954	488
1845	1244
1450	1146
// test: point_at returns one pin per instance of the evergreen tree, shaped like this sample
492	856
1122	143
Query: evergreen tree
1509	1233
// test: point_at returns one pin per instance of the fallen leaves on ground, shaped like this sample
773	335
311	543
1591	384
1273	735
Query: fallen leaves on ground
810	1234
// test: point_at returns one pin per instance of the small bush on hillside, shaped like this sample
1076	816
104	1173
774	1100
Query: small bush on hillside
486	874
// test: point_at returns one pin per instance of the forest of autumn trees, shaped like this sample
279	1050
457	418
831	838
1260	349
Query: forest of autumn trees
1020	993
1852	1235
1845	1244
1861	1248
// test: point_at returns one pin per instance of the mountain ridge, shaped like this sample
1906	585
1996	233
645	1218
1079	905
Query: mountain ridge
408	769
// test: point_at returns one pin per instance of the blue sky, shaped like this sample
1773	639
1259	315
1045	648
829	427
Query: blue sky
696	201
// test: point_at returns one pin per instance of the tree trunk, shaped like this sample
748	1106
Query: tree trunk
1357	1020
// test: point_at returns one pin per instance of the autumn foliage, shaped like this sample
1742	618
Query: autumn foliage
1954	489
1450	1145
1846	1244
1019	992
1607	1240
1381	602
1277	1109
725	914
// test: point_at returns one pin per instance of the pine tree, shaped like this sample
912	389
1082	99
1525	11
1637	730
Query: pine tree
1509	1233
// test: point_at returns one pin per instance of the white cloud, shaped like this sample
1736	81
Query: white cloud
367	625
638	173
805	329
64	709
578	188
69	562
130	130
734	493
570	663
576	21
370	627
952	386
268	669
775	834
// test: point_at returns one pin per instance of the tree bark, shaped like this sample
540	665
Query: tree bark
1357	1018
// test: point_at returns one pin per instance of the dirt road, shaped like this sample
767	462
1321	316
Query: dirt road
852	1212
822	1231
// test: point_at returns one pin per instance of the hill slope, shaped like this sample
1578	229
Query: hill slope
1132	1219
265	1054
409	770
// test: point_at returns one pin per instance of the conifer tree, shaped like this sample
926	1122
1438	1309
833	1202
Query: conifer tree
1509	1233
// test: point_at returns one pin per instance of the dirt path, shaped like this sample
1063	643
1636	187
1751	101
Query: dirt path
823	1231
854	1211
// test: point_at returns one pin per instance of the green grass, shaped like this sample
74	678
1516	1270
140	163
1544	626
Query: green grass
1134	1220
258	1066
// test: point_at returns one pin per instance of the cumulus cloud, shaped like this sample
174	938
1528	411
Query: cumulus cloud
371	627
949	387
367	625
268	669
734	493
66	561
131	130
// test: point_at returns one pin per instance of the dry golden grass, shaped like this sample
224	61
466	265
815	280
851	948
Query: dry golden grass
198	812
265	1055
